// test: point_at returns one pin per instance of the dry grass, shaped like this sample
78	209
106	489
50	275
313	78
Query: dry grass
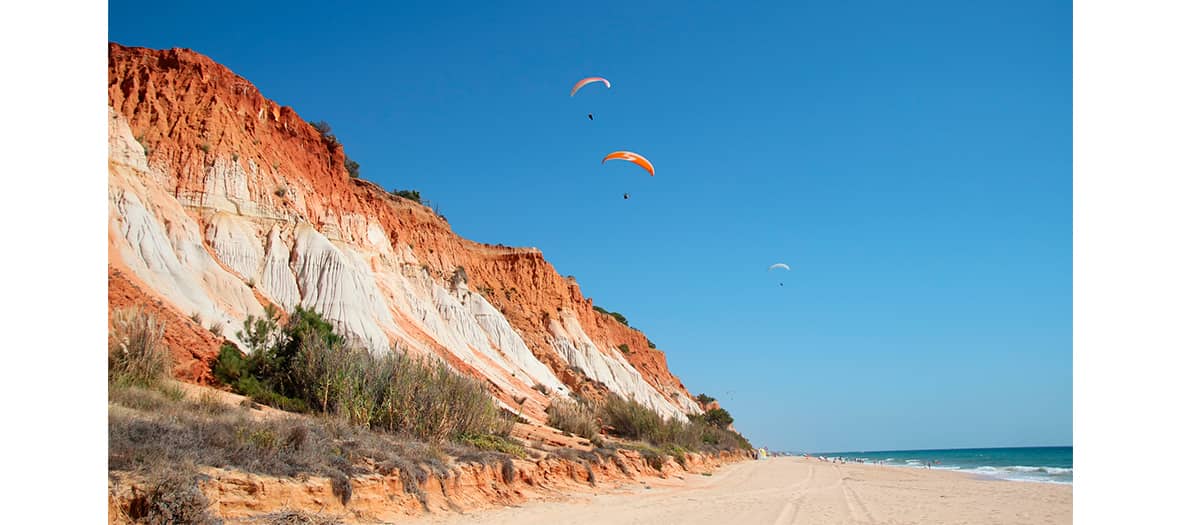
148	431
171	496
135	353
296	517
573	416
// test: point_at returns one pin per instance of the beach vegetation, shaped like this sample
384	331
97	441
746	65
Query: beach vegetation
716	417
573	416
305	366
618	316
409	194
630	419
136	354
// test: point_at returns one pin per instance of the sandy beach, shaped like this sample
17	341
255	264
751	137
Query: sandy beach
800	491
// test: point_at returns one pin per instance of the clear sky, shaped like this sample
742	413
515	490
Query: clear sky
911	161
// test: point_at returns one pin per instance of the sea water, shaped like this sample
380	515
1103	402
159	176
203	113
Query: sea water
1044	464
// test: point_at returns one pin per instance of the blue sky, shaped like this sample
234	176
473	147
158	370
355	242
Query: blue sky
911	161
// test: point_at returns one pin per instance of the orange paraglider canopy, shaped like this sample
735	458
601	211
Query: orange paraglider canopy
633	158
588	80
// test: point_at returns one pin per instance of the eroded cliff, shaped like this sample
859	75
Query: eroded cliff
222	201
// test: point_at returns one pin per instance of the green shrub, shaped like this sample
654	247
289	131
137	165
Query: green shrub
678	453
494	443
705	399
654	458
409	194
626	350
353	167
135	351
574	417
632	420
718	417
229	365
618	316
651	344
307	366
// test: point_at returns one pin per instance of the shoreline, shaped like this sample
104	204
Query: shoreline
959	470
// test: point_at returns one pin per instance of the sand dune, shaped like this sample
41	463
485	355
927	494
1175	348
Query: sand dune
800	491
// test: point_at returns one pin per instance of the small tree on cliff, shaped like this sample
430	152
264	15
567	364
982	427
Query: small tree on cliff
718	417
353	167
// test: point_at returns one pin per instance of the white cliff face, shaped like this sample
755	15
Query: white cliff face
612	369
235	244
503	337
161	244
336	282
210	252
277	280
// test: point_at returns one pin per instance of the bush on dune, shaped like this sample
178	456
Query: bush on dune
632	420
306	366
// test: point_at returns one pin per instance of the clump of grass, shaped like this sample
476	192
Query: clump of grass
573	416
135	351
541	388
626	350
216	328
653	458
495	443
209	403
677	452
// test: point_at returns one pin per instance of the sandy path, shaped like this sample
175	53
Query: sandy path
786	491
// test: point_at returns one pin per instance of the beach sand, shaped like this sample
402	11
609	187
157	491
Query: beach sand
799	491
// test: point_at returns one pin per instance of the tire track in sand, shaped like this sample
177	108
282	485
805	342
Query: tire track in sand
856	508
790	510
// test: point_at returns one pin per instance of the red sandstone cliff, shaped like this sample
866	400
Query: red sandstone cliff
231	182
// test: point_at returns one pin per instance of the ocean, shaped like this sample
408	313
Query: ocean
1043	464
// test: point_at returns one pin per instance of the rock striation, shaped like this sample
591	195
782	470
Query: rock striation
222	202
